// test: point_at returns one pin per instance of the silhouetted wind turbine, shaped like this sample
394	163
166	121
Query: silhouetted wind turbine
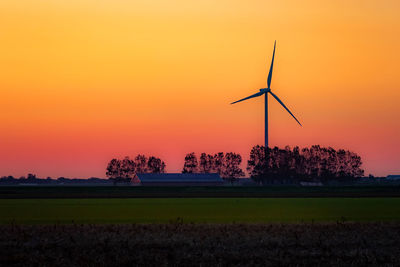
266	91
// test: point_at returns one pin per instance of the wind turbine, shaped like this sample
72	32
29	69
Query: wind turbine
266	91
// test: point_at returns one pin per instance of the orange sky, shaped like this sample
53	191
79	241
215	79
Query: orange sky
83	81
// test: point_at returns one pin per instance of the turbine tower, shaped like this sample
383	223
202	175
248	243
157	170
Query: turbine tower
266	91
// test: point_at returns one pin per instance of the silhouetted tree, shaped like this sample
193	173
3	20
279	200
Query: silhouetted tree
298	165
211	163
141	164
128	169
218	163
120	170
231	167
31	177
9	180
257	164
206	163
155	165
226	165
114	171
191	165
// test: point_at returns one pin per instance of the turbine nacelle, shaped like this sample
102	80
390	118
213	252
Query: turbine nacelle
265	90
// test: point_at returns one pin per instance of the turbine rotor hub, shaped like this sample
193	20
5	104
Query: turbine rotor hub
265	90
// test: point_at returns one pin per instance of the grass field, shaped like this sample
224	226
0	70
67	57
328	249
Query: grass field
198	210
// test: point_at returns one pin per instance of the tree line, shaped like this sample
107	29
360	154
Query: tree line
265	166
226	165
126	169
277	165
315	164
33	179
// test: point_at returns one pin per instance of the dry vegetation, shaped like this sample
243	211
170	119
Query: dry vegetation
335	244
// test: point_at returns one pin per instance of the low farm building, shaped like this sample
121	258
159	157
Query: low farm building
393	177
180	179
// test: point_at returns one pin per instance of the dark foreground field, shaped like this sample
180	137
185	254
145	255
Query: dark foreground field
177	244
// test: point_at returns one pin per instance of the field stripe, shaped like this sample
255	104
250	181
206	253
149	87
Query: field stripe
198	210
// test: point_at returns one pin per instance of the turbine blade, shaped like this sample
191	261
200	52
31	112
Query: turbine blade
255	95
280	102
270	69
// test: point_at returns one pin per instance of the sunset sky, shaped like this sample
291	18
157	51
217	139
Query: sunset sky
83	81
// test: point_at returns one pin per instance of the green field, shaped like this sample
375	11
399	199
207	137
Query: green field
198	210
